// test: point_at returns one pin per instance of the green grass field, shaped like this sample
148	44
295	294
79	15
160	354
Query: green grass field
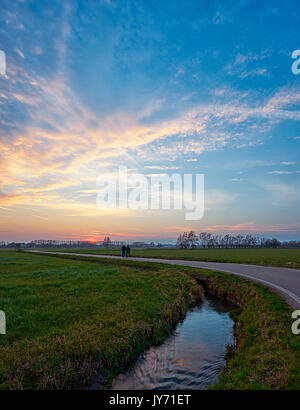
273	257
66	318
70	318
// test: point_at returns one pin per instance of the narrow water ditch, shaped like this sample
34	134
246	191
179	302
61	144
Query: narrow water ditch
191	358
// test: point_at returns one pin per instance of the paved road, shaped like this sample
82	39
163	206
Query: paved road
284	280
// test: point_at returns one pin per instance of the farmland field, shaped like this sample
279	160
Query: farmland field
272	257
70	318
67	318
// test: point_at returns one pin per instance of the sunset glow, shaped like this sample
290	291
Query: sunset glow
158	89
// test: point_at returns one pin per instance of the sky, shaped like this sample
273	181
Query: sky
161	87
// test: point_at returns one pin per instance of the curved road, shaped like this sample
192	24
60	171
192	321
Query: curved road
284	280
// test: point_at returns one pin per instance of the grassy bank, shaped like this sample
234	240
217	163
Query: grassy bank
68	319
70	316
269	257
267	354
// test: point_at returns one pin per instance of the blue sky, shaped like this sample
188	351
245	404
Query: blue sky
158	86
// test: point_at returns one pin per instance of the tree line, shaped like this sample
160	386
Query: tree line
190	240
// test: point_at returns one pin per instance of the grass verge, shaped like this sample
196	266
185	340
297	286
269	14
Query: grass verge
288	258
267	355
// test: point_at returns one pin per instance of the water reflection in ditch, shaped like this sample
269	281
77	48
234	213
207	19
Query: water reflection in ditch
191	358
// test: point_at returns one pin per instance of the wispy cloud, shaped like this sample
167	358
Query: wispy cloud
76	139
280	172
247	65
284	193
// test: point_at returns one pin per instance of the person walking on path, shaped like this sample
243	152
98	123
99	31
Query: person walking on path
127	251
123	251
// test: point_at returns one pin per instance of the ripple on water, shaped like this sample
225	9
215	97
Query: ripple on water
191	358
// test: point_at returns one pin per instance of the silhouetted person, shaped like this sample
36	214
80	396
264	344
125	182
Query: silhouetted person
123	251
127	251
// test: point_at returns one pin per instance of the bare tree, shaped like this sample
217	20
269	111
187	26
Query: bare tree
208	240
182	241
203	239
192	240
179	242
185	240
106	242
